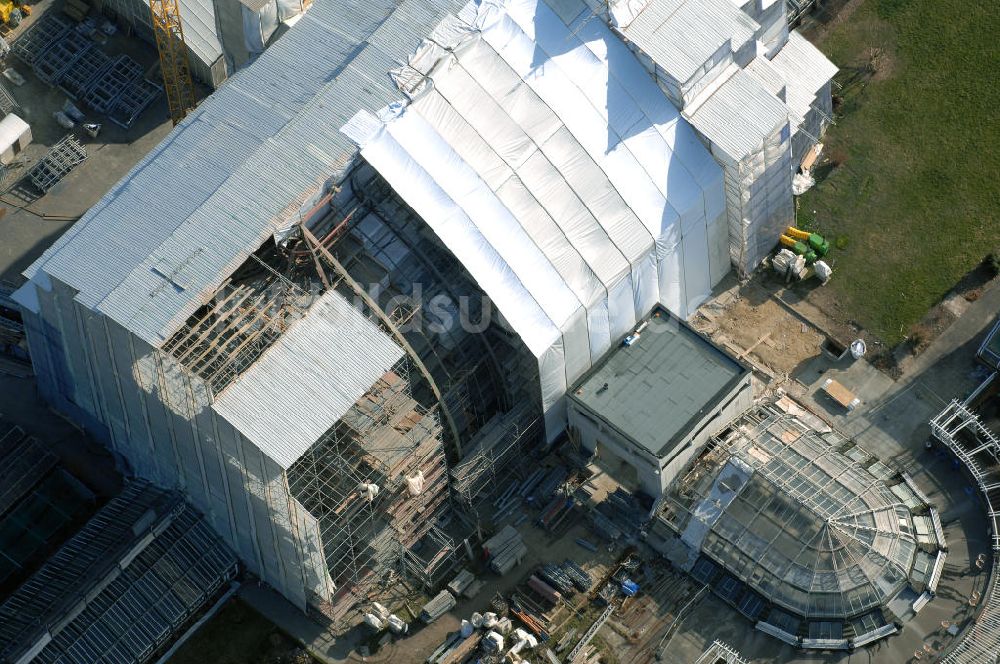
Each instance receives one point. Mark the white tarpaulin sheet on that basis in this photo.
(549, 163)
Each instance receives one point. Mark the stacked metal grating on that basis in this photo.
(60, 57)
(7, 102)
(37, 39)
(122, 587)
(132, 101)
(580, 578)
(76, 81)
(103, 94)
(64, 156)
(67, 58)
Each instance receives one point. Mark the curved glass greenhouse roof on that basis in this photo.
(805, 518)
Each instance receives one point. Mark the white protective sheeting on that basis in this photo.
(550, 164)
(308, 379)
(805, 70)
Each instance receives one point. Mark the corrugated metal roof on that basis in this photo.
(738, 115)
(805, 70)
(308, 379)
(250, 156)
(198, 21)
(772, 80)
(682, 35)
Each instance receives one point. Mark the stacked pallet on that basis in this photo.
(439, 605)
(505, 550)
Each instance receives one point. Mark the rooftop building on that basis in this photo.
(398, 235)
(657, 397)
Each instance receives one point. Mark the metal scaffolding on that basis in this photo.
(961, 430)
(377, 483)
(241, 320)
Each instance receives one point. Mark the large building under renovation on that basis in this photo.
(356, 282)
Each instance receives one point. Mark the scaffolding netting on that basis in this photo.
(549, 163)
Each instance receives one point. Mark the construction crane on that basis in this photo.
(174, 65)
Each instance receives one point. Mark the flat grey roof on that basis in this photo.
(660, 386)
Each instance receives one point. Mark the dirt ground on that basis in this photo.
(760, 322)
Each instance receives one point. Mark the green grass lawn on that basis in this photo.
(914, 204)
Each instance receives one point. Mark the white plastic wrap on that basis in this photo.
(415, 483)
(612, 124)
(567, 185)
(288, 9)
(423, 193)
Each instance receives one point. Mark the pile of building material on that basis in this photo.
(39, 37)
(619, 516)
(7, 102)
(549, 484)
(579, 577)
(534, 622)
(505, 550)
(457, 648)
(544, 589)
(56, 60)
(788, 265)
(106, 88)
(76, 82)
(465, 584)
(441, 604)
(556, 577)
(64, 156)
(68, 58)
(555, 512)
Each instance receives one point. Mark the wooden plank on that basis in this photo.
(753, 346)
(840, 394)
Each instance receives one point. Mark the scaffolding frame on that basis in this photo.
(242, 319)
(962, 432)
(385, 438)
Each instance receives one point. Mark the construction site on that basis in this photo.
(416, 327)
